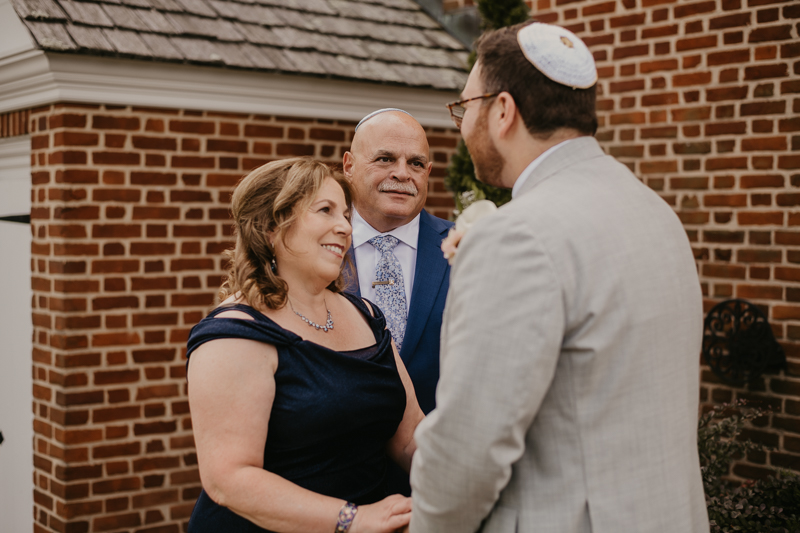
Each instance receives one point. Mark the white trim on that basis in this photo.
(37, 78)
(15, 176)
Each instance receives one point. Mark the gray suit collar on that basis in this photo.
(575, 151)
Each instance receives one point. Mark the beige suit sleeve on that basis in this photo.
(501, 340)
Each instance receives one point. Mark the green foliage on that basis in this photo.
(501, 13)
(460, 178)
(461, 181)
(769, 505)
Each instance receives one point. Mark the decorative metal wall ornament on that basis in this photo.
(738, 343)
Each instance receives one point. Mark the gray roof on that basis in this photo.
(386, 41)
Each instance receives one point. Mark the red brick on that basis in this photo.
(115, 158)
(258, 130)
(190, 196)
(788, 199)
(789, 162)
(116, 195)
(116, 450)
(119, 265)
(687, 10)
(725, 200)
(179, 265)
(156, 391)
(695, 78)
(786, 312)
(115, 339)
(764, 144)
(725, 163)
(727, 57)
(101, 122)
(189, 300)
(760, 218)
(723, 271)
(761, 181)
(192, 126)
(694, 43)
(758, 256)
(193, 162)
(762, 72)
(154, 428)
(156, 213)
(295, 149)
(763, 108)
(154, 143)
(789, 124)
(73, 138)
(115, 302)
(730, 21)
(631, 51)
(67, 120)
(153, 178)
(787, 273)
(80, 436)
(67, 157)
(218, 145)
(770, 33)
(759, 292)
(660, 99)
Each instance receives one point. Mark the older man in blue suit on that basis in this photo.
(389, 164)
(396, 243)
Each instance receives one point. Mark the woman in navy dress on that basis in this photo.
(298, 397)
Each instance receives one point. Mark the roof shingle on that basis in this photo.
(389, 41)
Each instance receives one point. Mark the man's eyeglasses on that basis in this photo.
(457, 109)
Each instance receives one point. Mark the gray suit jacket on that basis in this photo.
(568, 397)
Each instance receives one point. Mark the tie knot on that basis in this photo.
(384, 243)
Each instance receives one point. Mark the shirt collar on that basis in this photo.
(362, 231)
(532, 166)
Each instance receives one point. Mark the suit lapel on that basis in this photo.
(428, 275)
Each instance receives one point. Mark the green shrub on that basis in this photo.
(769, 505)
(460, 178)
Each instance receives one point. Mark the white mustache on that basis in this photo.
(406, 187)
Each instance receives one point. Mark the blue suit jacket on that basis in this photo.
(420, 351)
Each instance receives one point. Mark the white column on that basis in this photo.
(16, 418)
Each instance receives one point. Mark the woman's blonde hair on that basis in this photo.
(272, 198)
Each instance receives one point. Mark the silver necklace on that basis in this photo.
(328, 324)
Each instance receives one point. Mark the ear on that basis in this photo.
(347, 164)
(428, 168)
(507, 114)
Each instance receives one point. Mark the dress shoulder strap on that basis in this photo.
(260, 329)
(375, 318)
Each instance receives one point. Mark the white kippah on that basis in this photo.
(558, 54)
(378, 112)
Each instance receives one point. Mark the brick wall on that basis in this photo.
(129, 218)
(701, 101)
(14, 124)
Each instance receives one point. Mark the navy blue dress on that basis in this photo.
(331, 418)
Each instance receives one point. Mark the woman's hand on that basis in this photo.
(385, 516)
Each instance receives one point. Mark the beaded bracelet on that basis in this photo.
(346, 516)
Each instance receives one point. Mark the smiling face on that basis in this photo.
(315, 245)
(388, 165)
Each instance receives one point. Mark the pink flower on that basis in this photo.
(450, 243)
(466, 220)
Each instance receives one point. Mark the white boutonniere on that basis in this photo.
(471, 214)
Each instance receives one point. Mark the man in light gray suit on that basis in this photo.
(568, 396)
